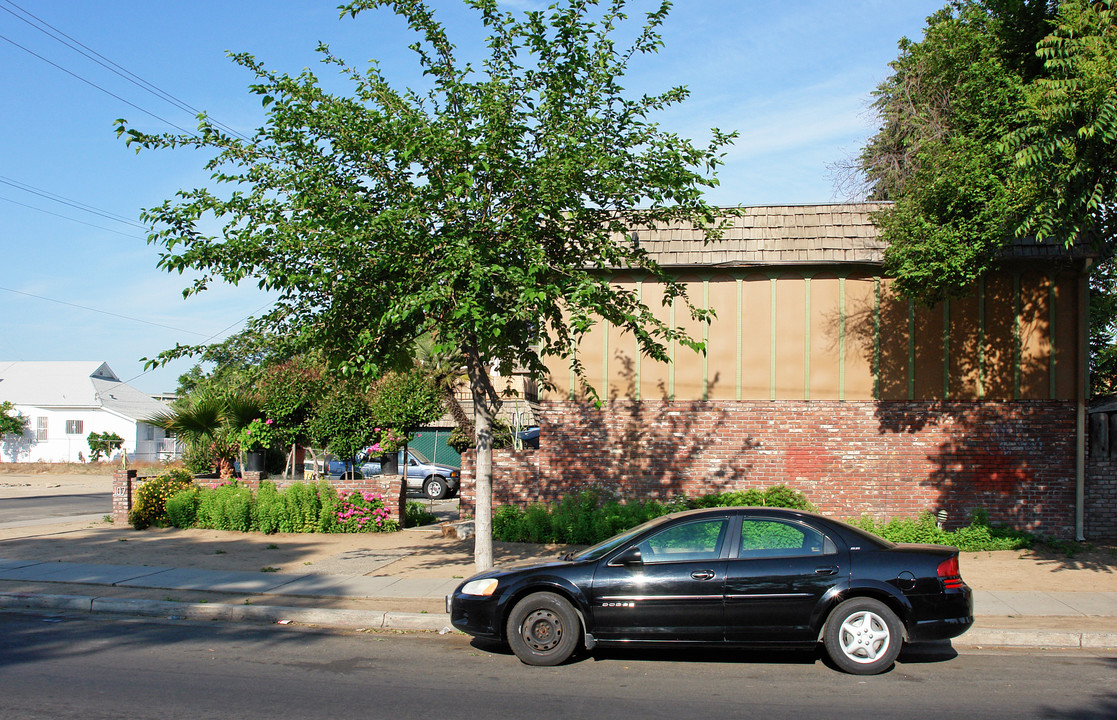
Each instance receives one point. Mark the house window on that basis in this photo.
(147, 432)
(41, 429)
(74, 427)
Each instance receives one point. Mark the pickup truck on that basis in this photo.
(435, 481)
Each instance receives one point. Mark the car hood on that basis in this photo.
(516, 568)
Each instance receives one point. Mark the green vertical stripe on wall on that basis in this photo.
(772, 351)
(639, 350)
(1017, 340)
(876, 338)
(911, 349)
(740, 330)
(946, 349)
(605, 361)
(841, 338)
(706, 342)
(671, 352)
(573, 379)
(807, 336)
(981, 338)
(1051, 385)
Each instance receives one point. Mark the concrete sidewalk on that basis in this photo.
(1033, 619)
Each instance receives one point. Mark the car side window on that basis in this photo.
(701, 540)
(772, 538)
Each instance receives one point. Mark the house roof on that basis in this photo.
(840, 233)
(74, 384)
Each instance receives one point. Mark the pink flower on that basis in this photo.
(267, 422)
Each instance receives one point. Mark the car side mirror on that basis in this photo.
(631, 556)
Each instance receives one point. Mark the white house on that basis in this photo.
(65, 401)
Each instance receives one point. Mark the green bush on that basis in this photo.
(182, 507)
(226, 507)
(415, 515)
(267, 513)
(978, 535)
(588, 517)
(152, 496)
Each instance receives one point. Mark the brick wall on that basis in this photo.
(1015, 460)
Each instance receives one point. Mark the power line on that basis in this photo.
(106, 312)
(72, 203)
(67, 217)
(95, 85)
(113, 67)
(219, 332)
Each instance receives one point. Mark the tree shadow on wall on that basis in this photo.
(646, 449)
(945, 387)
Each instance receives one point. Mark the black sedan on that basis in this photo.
(727, 576)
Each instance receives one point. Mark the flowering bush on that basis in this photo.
(257, 435)
(364, 511)
(150, 507)
(388, 440)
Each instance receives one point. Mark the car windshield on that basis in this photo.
(604, 547)
(423, 460)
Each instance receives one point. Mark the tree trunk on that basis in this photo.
(486, 402)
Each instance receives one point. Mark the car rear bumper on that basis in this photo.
(941, 616)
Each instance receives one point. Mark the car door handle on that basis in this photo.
(826, 570)
(702, 574)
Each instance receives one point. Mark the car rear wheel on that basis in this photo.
(543, 629)
(863, 637)
(435, 487)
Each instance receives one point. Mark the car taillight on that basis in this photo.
(949, 574)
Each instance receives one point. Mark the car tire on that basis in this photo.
(543, 629)
(435, 487)
(863, 636)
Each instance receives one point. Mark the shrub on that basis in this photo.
(364, 511)
(226, 507)
(415, 515)
(302, 506)
(978, 535)
(151, 499)
(182, 508)
(589, 517)
(267, 513)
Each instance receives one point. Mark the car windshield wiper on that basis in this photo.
(567, 556)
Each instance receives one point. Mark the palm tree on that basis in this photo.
(208, 421)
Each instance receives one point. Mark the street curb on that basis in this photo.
(1037, 639)
(440, 622)
(365, 619)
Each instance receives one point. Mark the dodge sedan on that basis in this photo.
(725, 576)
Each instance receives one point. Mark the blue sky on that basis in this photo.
(794, 79)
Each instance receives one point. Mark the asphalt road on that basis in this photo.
(38, 507)
(72, 666)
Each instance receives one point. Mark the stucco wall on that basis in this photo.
(63, 447)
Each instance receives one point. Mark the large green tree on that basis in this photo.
(484, 208)
(1000, 124)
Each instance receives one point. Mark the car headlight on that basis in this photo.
(486, 586)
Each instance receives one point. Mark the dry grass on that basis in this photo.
(93, 468)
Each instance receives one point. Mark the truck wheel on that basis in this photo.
(435, 487)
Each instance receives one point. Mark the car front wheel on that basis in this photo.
(863, 637)
(543, 629)
(435, 487)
